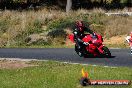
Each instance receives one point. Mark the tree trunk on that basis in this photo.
(129, 4)
(68, 5)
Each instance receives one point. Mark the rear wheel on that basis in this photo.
(106, 52)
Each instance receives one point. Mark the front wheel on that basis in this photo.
(81, 52)
(78, 51)
(106, 52)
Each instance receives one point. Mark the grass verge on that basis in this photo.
(59, 75)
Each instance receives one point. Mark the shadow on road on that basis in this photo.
(99, 57)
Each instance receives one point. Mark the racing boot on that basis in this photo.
(80, 54)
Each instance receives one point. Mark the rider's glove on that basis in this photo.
(79, 40)
(75, 33)
(86, 43)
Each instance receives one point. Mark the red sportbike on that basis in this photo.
(92, 47)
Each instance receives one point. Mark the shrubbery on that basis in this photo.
(57, 36)
(15, 28)
(60, 24)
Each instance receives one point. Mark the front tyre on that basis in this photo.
(106, 52)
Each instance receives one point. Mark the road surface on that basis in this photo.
(121, 57)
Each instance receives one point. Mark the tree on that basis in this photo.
(68, 5)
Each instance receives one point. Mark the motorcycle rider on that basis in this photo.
(129, 40)
(78, 32)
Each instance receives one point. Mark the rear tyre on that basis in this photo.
(106, 52)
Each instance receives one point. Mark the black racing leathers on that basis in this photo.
(78, 35)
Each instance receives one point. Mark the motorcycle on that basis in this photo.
(92, 47)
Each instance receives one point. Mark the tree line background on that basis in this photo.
(74, 4)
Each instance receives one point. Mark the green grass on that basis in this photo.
(59, 75)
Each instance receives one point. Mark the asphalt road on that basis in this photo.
(121, 57)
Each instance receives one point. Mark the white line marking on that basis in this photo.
(106, 66)
(94, 65)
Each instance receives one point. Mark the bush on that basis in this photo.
(21, 39)
(57, 33)
(60, 24)
(4, 25)
(30, 28)
(40, 42)
(16, 29)
(57, 36)
(35, 27)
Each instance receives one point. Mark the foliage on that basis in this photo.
(57, 36)
(60, 23)
(3, 26)
(57, 33)
(40, 42)
(35, 27)
(16, 27)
